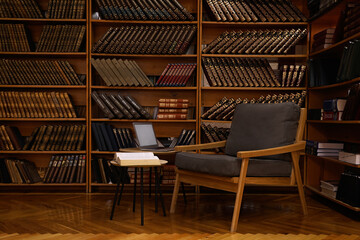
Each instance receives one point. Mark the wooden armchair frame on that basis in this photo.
(236, 184)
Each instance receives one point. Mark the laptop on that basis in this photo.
(146, 137)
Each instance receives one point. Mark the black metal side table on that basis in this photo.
(121, 179)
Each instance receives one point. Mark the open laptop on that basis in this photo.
(146, 138)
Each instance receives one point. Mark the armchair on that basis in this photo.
(263, 148)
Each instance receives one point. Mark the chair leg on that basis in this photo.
(295, 157)
(239, 194)
(175, 194)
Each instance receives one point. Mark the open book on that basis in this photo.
(137, 159)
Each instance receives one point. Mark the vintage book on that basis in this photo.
(138, 107)
(102, 105)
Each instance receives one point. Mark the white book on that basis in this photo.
(137, 159)
(352, 158)
(329, 184)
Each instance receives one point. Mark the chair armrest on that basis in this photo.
(184, 148)
(272, 151)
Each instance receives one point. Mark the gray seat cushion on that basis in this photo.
(224, 165)
(259, 126)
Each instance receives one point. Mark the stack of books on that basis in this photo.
(176, 75)
(20, 9)
(61, 38)
(292, 75)
(18, 171)
(108, 138)
(323, 39)
(173, 108)
(224, 109)
(122, 73)
(239, 72)
(250, 11)
(349, 157)
(36, 105)
(352, 19)
(323, 149)
(329, 188)
(66, 169)
(267, 41)
(333, 109)
(114, 105)
(146, 39)
(13, 38)
(154, 10)
(21, 72)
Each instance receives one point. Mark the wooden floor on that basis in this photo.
(205, 214)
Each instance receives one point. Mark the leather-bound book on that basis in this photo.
(286, 47)
(230, 108)
(224, 40)
(81, 140)
(101, 44)
(284, 75)
(232, 38)
(262, 11)
(120, 106)
(225, 10)
(259, 40)
(221, 109)
(301, 75)
(187, 41)
(213, 10)
(232, 10)
(295, 76)
(208, 73)
(138, 107)
(214, 108)
(128, 107)
(214, 42)
(111, 106)
(102, 105)
(49, 131)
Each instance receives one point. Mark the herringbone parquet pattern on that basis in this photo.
(81, 216)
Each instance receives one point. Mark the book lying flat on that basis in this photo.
(137, 159)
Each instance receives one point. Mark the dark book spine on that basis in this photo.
(102, 106)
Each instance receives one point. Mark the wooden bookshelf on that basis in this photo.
(77, 93)
(329, 168)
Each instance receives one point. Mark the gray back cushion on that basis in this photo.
(259, 126)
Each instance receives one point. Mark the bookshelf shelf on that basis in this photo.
(255, 88)
(336, 85)
(335, 46)
(147, 88)
(43, 185)
(215, 121)
(43, 152)
(43, 20)
(44, 119)
(52, 54)
(257, 55)
(114, 22)
(334, 122)
(255, 24)
(45, 86)
(334, 160)
(142, 55)
(333, 199)
(142, 120)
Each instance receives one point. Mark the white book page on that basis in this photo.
(136, 156)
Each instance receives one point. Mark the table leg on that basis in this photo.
(183, 190)
(115, 197)
(156, 189)
(150, 182)
(122, 177)
(134, 195)
(142, 195)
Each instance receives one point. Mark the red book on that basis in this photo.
(162, 75)
(176, 75)
(181, 75)
(173, 100)
(171, 74)
(187, 76)
(171, 116)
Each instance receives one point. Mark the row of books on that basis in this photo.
(215, 134)
(323, 39)
(113, 105)
(176, 75)
(154, 10)
(18, 171)
(224, 109)
(268, 41)
(239, 72)
(292, 75)
(323, 149)
(118, 72)
(146, 39)
(253, 11)
(13, 38)
(173, 109)
(37, 72)
(61, 38)
(333, 109)
(102, 171)
(36, 105)
(352, 19)
(66, 169)
(108, 138)
(20, 9)
(56, 138)
(62, 9)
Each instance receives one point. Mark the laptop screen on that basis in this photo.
(145, 134)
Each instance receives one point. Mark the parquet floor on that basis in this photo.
(81, 216)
